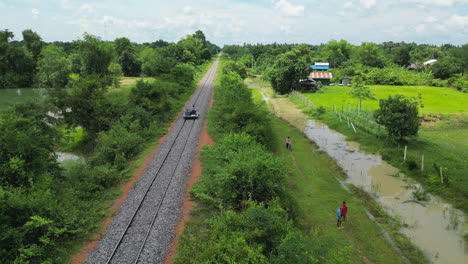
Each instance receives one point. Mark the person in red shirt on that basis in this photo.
(344, 211)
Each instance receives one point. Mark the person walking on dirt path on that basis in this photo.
(338, 217)
(344, 211)
(288, 143)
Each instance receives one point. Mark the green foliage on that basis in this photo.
(16, 64)
(235, 111)
(236, 67)
(95, 55)
(288, 69)
(121, 143)
(33, 42)
(239, 169)
(447, 67)
(45, 209)
(260, 234)
(183, 74)
(338, 52)
(53, 67)
(399, 115)
(26, 144)
(361, 92)
(154, 97)
(116, 72)
(369, 54)
(122, 45)
(393, 75)
(88, 106)
(130, 65)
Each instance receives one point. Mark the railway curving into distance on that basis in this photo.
(143, 229)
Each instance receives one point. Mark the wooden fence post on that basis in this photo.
(353, 127)
(404, 155)
(441, 176)
(422, 162)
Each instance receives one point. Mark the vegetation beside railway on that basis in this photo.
(259, 203)
(442, 135)
(47, 209)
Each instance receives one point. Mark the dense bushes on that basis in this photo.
(234, 111)
(259, 234)
(45, 208)
(238, 169)
(244, 187)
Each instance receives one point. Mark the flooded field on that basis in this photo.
(9, 97)
(434, 226)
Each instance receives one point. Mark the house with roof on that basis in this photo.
(323, 77)
(320, 73)
(320, 66)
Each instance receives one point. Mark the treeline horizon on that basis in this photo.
(32, 62)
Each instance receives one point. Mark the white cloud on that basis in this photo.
(368, 3)
(348, 4)
(35, 12)
(440, 27)
(2, 5)
(86, 6)
(289, 9)
(460, 21)
(421, 28)
(439, 2)
(187, 10)
(431, 19)
(65, 4)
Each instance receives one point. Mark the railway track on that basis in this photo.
(143, 229)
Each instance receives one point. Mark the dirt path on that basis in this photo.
(187, 205)
(284, 109)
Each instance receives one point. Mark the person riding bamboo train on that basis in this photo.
(193, 112)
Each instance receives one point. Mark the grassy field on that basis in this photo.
(435, 99)
(314, 183)
(443, 143)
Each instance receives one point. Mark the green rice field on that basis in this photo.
(434, 99)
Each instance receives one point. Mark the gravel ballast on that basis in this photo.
(169, 168)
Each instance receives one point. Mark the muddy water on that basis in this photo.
(434, 226)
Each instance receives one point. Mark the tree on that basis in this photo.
(53, 67)
(95, 55)
(130, 65)
(116, 73)
(122, 45)
(447, 67)
(26, 144)
(288, 69)
(33, 42)
(370, 54)
(16, 64)
(362, 93)
(399, 115)
(236, 67)
(338, 52)
(6, 35)
(88, 106)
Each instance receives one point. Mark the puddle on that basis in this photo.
(63, 156)
(434, 226)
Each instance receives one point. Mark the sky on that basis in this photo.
(242, 21)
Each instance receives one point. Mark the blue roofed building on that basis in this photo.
(320, 66)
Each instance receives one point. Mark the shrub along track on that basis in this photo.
(144, 227)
